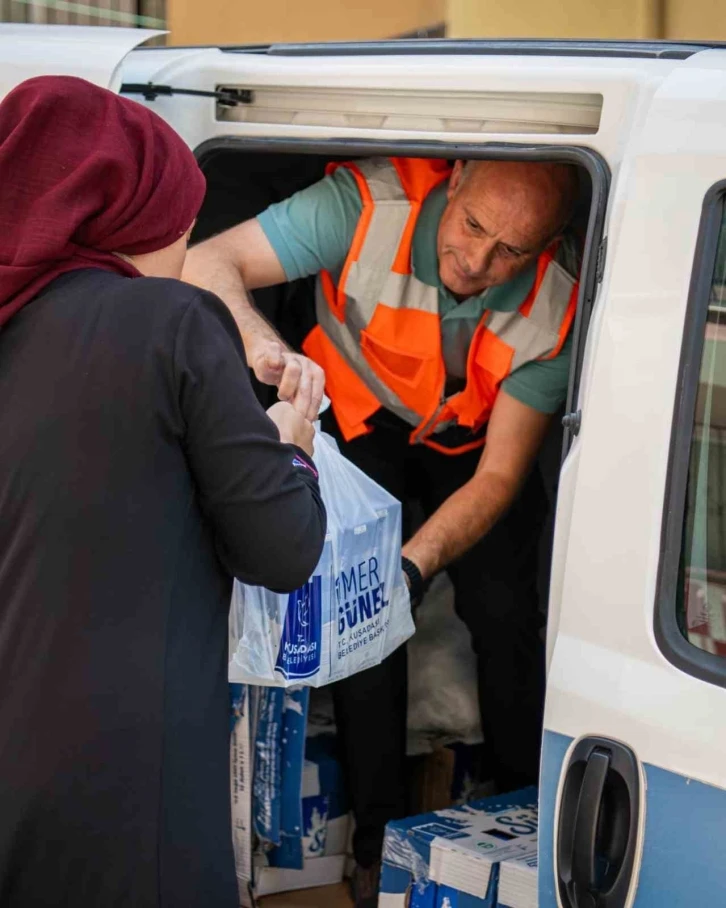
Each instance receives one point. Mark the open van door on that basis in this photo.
(94, 53)
(633, 787)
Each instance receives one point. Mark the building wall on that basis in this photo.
(245, 21)
(691, 19)
(126, 13)
(677, 19)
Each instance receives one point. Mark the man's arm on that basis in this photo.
(514, 436)
(249, 485)
(230, 264)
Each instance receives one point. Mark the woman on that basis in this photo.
(138, 475)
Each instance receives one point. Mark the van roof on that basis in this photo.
(677, 50)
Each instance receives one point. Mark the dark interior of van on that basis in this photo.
(241, 184)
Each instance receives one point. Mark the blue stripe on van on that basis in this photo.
(685, 835)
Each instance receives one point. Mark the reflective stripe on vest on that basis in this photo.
(379, 337)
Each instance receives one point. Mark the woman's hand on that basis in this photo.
(294, 429)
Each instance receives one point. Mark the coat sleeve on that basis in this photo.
(260, 496)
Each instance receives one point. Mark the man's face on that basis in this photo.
(491, 229)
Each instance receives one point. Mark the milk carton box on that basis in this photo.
(454, 855)
(290, 818)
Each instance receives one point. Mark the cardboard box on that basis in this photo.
(518, 882)
(316, 872)
(450, 858)
(241, 787)
(453, 898)
(290, 819)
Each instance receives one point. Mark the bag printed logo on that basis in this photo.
(362, 606)
(299, 653)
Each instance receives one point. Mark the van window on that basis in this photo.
(701, 595)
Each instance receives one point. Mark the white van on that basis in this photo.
(633, 786)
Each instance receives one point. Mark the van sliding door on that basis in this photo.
(633, 788)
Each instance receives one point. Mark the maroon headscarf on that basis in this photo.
(85, 173)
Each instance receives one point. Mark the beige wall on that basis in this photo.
(264, 21)
(688, 19)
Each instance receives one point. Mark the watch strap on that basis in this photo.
(415, 579)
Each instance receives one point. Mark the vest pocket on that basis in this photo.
(390, 363)
(413, 379)
(402, 347)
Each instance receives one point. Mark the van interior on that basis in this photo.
(242, 183)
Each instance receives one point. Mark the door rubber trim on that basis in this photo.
(674, 646)
(646, 49)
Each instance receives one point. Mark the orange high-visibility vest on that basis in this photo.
(378, 334)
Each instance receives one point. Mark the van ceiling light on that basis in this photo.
(425, 111)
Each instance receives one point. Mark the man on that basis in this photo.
(444, 298)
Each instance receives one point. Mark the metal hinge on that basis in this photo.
(572, 421)
(601, 255)
(229, 97)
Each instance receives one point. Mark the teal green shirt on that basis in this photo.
(313, 230)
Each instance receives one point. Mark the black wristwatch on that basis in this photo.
(416, 583)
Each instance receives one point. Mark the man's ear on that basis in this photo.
(455, 179)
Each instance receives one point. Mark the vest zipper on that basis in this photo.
(431, 421)
(423, 429)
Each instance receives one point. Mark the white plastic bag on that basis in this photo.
(353, 612)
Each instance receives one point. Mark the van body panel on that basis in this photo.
(90, 52)
(682, 863)
(609, 563)
(607, 675)
(410, 86)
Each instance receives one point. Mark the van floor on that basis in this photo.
(325, 897)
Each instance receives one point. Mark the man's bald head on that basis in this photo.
(548, 190)
(500, 216)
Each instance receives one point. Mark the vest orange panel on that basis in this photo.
(350, 398)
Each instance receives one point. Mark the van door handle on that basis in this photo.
(589, 805)
(598, 825)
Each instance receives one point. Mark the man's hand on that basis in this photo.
(232, 263)
(298, 379)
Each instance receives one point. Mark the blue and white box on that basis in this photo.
(240, 759)
(451, 858)
(290, 818)
(326, 816)
(454, 898)
(518, 882)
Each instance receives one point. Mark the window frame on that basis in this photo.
(672, 643)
